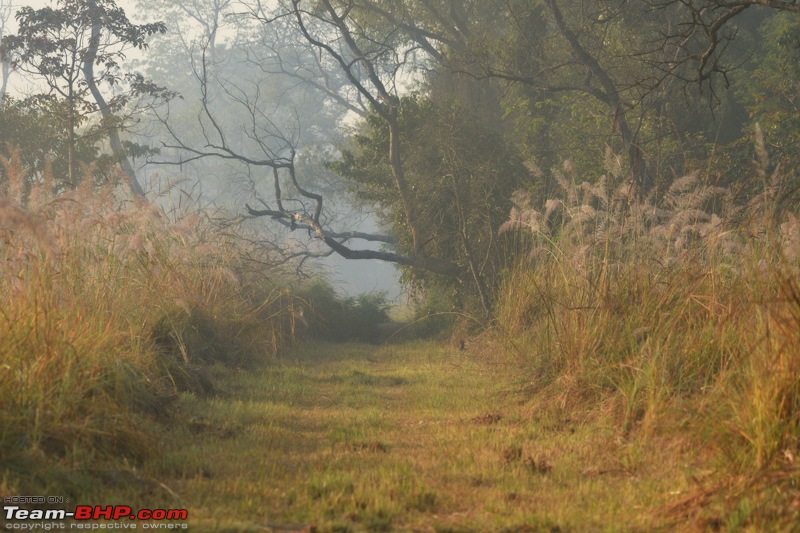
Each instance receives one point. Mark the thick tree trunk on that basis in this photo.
(105, 111)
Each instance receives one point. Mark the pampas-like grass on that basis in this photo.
(109, 306)
(641, 304)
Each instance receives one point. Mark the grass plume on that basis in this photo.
(110, 306)
(670, 310)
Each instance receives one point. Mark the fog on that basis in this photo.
(595, 208)
(398, 133)
(291, 109)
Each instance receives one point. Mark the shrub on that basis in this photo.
(344, 319)
(435, 313)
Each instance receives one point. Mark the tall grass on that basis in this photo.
(108, 305)
(684, 304)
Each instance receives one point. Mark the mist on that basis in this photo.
(400, 265)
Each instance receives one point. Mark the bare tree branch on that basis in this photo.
(304, 210)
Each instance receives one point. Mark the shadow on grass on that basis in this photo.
(365, 379)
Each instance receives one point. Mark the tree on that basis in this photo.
(703, 30)
(441, 165)
(443, 179)
(539, 44)
(6, 10)
(75, 48)
(40, 141)
(462, 173)
(369, 73)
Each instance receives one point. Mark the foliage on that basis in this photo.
(435, 312)
(75, 48)
(461, 174)
(773, 91)
(355, 318)
(674, 303)
(39, 140)
(30, 134)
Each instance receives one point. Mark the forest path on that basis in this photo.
(415, 437)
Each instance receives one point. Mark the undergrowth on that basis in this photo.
(110, 306)
(677, 310)
(332, 317)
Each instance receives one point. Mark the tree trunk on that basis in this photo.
(113, 134)
(398, 174)
(71, 138)
(610, 97)
(6, 71)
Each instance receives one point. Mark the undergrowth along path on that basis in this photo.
(416, 437)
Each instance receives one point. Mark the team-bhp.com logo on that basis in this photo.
(93, 517)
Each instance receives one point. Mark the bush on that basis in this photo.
(344, 319)
(435, 313)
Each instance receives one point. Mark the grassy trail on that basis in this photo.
(418, 437)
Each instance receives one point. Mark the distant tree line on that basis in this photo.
(444, 108)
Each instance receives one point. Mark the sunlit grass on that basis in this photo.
(109, 307)
(676, 317)
(410, 437)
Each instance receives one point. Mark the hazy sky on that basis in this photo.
(352, 277)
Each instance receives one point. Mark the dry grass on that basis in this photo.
(681, 308)
(110, 304)
(660, 340)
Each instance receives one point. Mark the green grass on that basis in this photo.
(410, 437)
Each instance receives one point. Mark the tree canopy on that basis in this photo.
(75, 48)
(432, 112)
